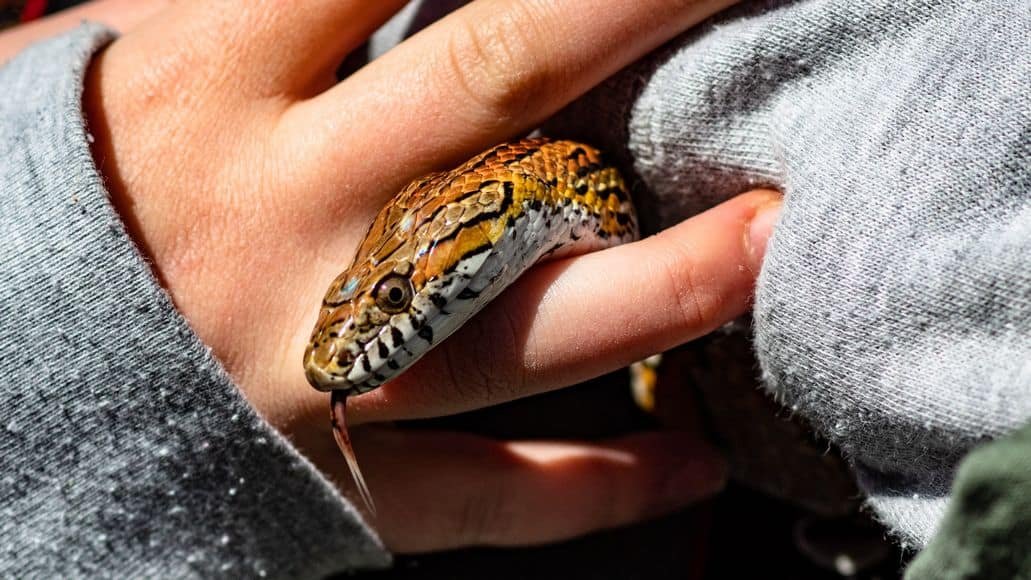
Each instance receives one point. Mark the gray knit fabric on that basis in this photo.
(125, 450)
(894, 307)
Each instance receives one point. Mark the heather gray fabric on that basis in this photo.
(894, 307)
(125, 450)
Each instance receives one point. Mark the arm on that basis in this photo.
(126, 447)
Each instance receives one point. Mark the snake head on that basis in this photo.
(376, 320)
(449, 243)
(376, 323)
(358, 334)
(328, 359)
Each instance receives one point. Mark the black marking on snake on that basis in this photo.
(408, 352)
(491, 154)
(576, 153)
(494, 154)
(426, 333)
(396, 337)
(392, 364)
(377, 260)
(384, 352)
(582, 189)
(619, 192)
(439, 301)
(467, 294)
(379, 377)
(429, 219)
(366, 364)
(622, 218)
(389, 256)
(536, 205)
(482, 217)
(528, 153)
(485, 247)
(416, 323)
(467, 194)
(585, 170)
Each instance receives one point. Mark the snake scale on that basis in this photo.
(448, 244)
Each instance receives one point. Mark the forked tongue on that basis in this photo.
(338, 418)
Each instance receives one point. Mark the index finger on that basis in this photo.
(571, 320)
(483, 74)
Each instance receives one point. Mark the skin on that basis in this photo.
(248, 176)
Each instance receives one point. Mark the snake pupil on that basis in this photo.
(394, 293)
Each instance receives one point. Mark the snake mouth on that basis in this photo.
(327, 364)
(320, 379)
(329, 381)
(355, 368)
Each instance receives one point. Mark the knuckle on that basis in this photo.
(495, 66)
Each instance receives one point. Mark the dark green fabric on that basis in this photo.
(986, 532)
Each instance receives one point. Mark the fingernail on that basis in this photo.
(760, 229)
(702, 475)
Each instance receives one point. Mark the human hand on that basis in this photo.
(249, 176)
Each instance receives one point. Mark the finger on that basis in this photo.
(122, 15)
(485, 73)
(470, 490)
(570, 320)
(301, 44)
(266, 48)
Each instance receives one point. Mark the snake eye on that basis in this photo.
(393, 294)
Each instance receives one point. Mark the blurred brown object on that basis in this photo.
(714, 381)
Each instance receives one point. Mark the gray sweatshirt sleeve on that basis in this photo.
(125, 449)
(894, 306)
